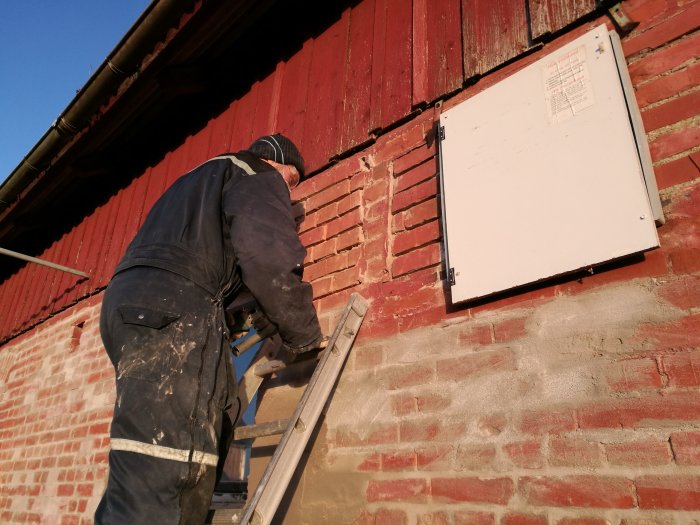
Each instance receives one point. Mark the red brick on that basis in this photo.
(378, 190)
(648, 521)
(684, 333)
(344, 223)
(472, 517)
(476, 334)
(432, 402)
(322, 287)
(420, 236)
(85, 490)
(573, 452)
(392, 146)
(684, 261)
(671, 28)
(632, 375)
(403, 404)
(513, 518)
(654, 264)
(665, 59)
(525, 454)
(668, 85)
(475, 456)
(434, 518)
(416, 175)
(327, 213)
(682, 369)
(345, 279)
(638, 453)
(404, 376)
(350, 239)
(483, 362)
(416, 260)
(434, 457)
(371, 463)
(674, 110)
(414, 195)
(413, 158)
(324, 267)
(683, 293)
(473, 489)
(578, 491)
(413, 490)
(368, 357)
(65, 490)
(583, 521)
(491, 424)
(686, 447)
(416, 215)
(326, 196)
(676, 172)
(382, 517)
(101, 428)
(509, 330)
(669, 492)
(640, 411)
(674, 142)
(547, 421)
(402, 460)
(430, 430)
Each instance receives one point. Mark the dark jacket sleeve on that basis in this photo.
(270, 255)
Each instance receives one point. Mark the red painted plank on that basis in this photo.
(66, 286)
(132, 220)
(493, 32)
(17, 285)
(390, 96)
(242, 133)
(199, 147)
(358, 78)
(156, 186)
(291, 115)
(28, 279)
(266, 104)
(220, 135)
(104, 227)
(54, 277)
(177, 164)
(83, 261)
(325, 95)
(548, 16)
(116, 217)
(437, 41)
(8, 289)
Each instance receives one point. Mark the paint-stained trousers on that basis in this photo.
(165, 338)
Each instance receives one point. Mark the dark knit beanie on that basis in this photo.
(278, 148)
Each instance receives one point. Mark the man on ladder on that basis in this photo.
(224, 225)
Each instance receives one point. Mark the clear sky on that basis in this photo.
(48, 51)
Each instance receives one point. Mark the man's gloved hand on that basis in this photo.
(319, 344)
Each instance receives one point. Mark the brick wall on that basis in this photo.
(56, 399)
(574, 403)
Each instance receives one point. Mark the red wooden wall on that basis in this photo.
(381, 60)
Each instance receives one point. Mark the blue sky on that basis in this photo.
(48, 51)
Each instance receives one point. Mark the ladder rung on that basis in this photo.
(272, 428)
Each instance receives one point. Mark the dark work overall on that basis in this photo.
(165, 337)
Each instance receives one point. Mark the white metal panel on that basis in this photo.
(540, 174)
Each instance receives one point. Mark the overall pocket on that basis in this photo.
(146, 349)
